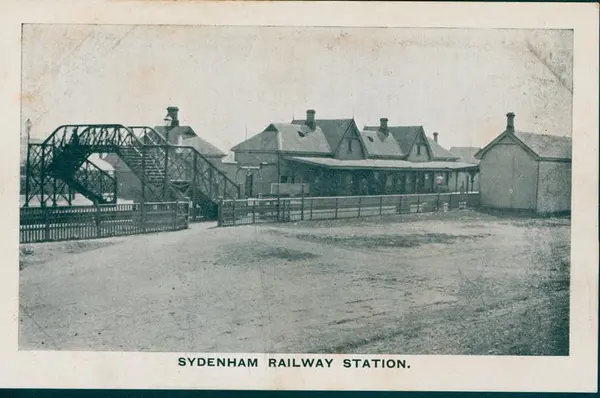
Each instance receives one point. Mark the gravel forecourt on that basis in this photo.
(460, 283)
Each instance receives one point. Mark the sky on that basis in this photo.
(232, 82)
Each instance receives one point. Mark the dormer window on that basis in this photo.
(370, 139)
(301, 134)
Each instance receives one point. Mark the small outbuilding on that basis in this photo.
(526, 171)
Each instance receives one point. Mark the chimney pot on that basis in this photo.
(435, 137)
(510, 121)
(383, 125)
(172, 112)
(310, 118)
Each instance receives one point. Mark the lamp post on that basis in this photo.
(168, 122)
(26, 168)
(28, 125)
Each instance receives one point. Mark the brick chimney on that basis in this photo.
(510, 122)
(383, 125)
(435, 136)
(310, 119)
(172, 112)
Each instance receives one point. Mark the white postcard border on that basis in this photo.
(578, 372)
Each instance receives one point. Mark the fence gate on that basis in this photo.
(182, 215)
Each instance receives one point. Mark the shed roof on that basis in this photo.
(465, 153)
(390, 164)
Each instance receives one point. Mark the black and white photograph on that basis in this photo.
(371, 192)
(372, 201)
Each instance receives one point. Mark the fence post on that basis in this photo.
(46, 224)
(115, 189)
(311, 208)
(253, 211)
(336, 208)
(143, 216)
(233, 211)
(187, 206)
(174, 214)
(278, 204)
(220, 213)
(302, 204)
(359, 205)
(97, 220)
(418, 203)
(380, 205)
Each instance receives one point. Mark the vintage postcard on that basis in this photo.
(300, 196)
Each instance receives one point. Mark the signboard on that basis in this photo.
(291, 189)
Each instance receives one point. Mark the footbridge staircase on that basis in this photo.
(167, 172)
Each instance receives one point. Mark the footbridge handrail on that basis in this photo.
(71, 133)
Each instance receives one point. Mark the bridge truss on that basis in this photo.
(60, 165)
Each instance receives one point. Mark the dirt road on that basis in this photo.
(457, 283)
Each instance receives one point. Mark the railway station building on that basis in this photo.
(334, 157)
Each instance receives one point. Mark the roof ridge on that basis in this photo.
(399, 125)
(326, 120)
(544, 135)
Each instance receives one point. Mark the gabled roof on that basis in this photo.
(405, 136)
(334, 129)
(184, 131)
(287, 137)
(465, 153)
(267, 140)
(190, 138)
(547, 146)
(205, 148)
(541, 146)
(438, 152)
(379, 145)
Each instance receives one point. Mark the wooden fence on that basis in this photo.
(43, 224)
(250, 211)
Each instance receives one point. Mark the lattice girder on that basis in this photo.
(167, 171)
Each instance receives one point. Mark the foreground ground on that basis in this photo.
(454, 283)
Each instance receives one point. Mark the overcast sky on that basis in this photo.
(227, 80)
